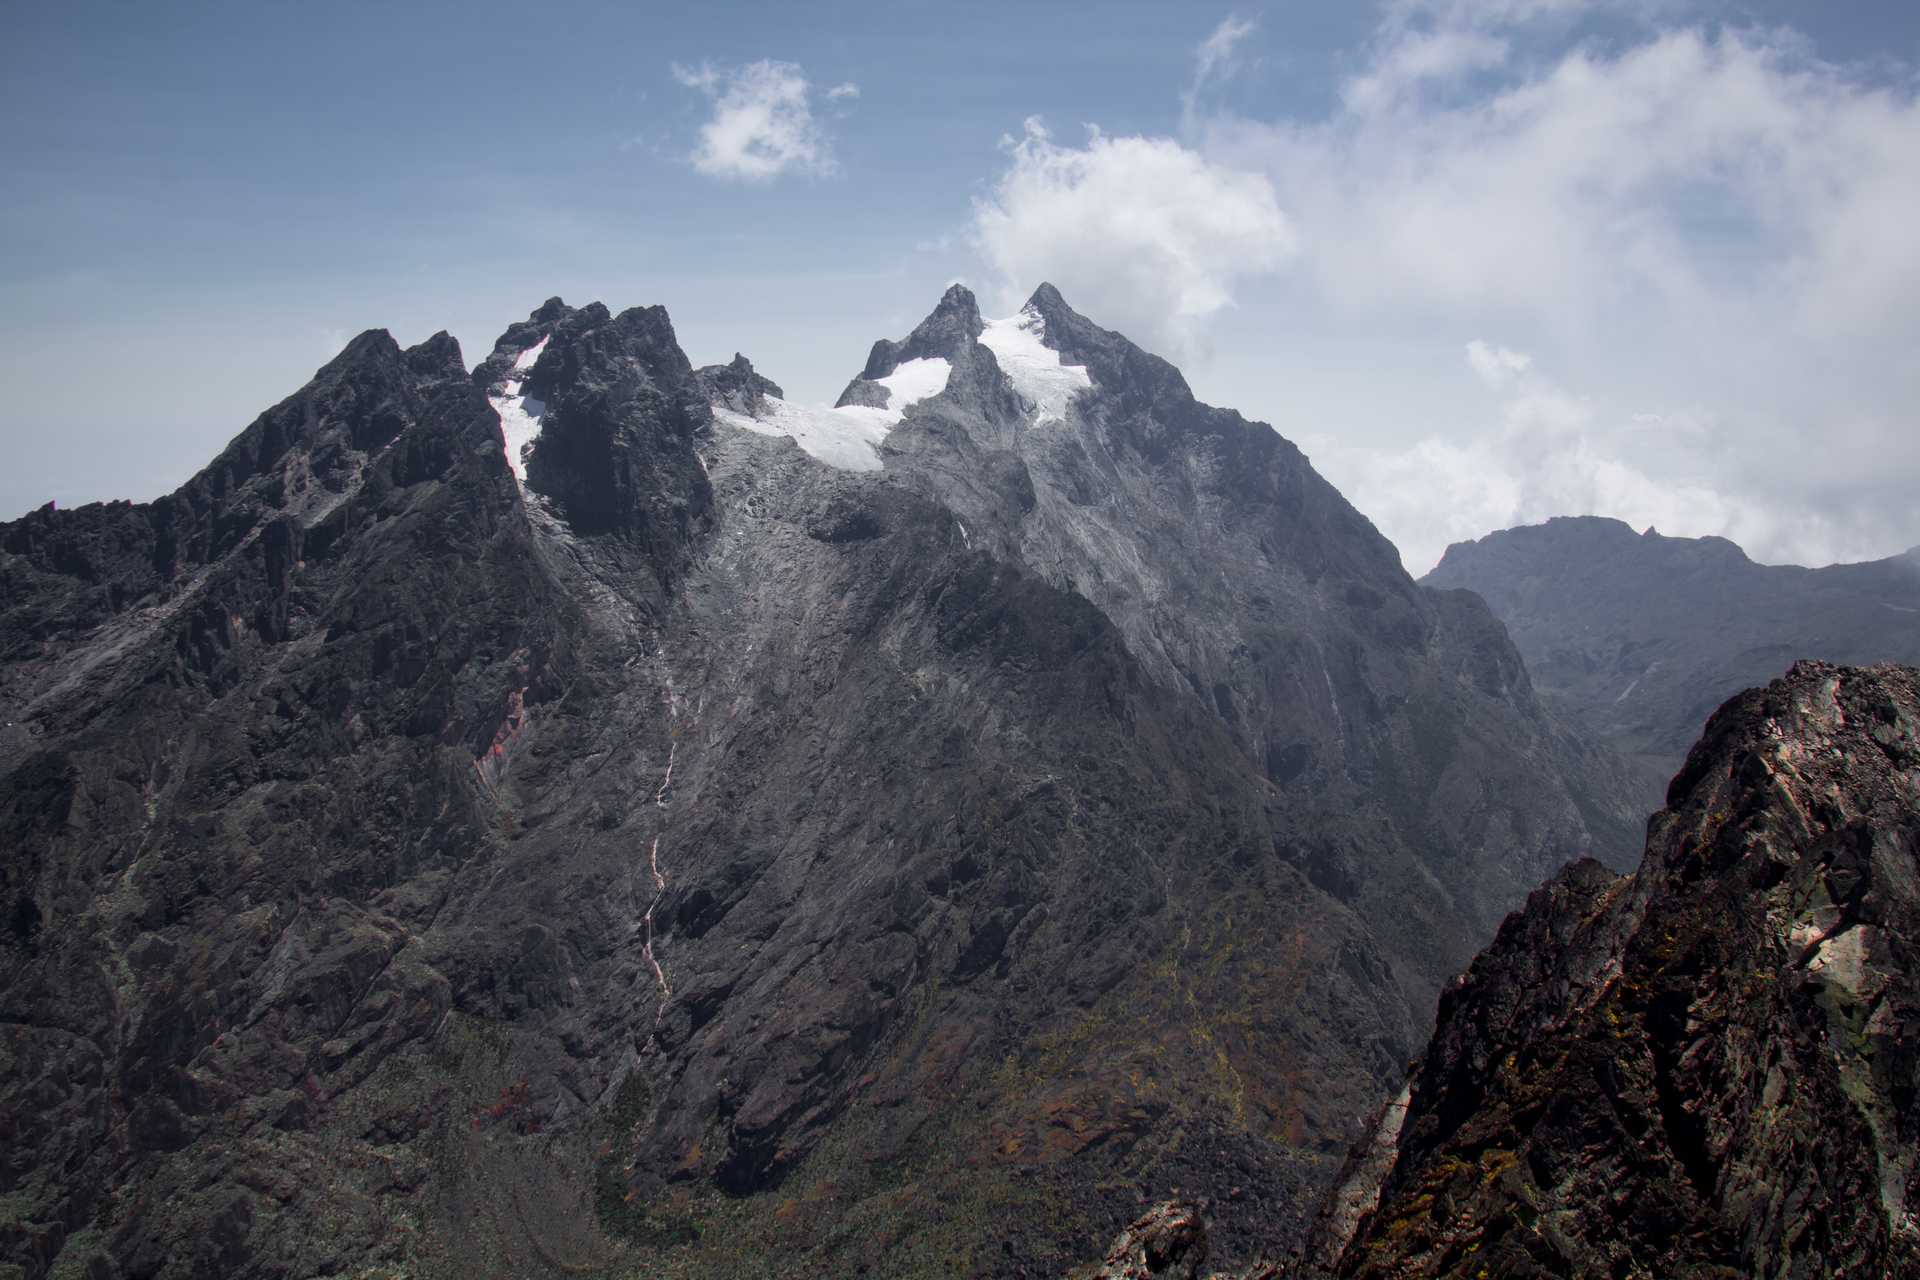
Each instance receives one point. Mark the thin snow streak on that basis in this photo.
(646, 948)
(659, 892)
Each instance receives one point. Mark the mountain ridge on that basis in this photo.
(1638, 637)
(572, 864)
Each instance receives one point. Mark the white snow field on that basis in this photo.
(848, 438)
(1033, 367)
(520, 414)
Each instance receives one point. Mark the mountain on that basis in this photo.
(1705, 1068)
(1638, 637)
(593, 814)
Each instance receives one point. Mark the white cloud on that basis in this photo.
(1496, 366)
(762, 124)
(1142, 233)
(1604, 176)
(1678, 216)
(1218, 47)
(1213, 60)
(847, 89)
(1416, 60)
(1545, 452)
(1399, 16)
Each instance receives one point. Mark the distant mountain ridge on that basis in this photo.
(1640, 636)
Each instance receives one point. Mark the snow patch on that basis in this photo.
(520, 414)
(526, 358)
(913, 381)
(1032, 366)
(848, 438)
(845, 438)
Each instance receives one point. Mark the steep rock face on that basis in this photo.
(240, 785)
(619, 406)
(1638, 637)
(1706, 1068)
(1403, 717)
(521, 822)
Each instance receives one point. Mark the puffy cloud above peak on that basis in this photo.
(1665, 213)
(762, 125)
(1144, 234)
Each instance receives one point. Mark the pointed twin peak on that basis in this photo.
(1004, 371)
(955, 324)
(375, 349)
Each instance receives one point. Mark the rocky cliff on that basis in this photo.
(1637, 637)
(1706, 1068)
(594, 816)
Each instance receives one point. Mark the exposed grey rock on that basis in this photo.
(1168, 1242)
(736, 386)
(405, 870)
(1236, 573)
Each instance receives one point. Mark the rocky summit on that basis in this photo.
(594, 816)
(1706, 1068)
(1637, 637)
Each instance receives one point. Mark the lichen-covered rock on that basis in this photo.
(1707, 1068)
(1168, 1242)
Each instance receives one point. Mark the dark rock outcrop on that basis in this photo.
(701, 854)
(1636, 637)
(1706, 1068)
(737, 386)
(622, 408)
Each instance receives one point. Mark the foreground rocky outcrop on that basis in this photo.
(1167, 1242)
(1706, 1068)
(1637, 637)
(548, 821)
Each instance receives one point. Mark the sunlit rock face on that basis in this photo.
(1706, 1067)
(591, 812)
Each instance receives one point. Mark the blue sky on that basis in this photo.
(1487, 260)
